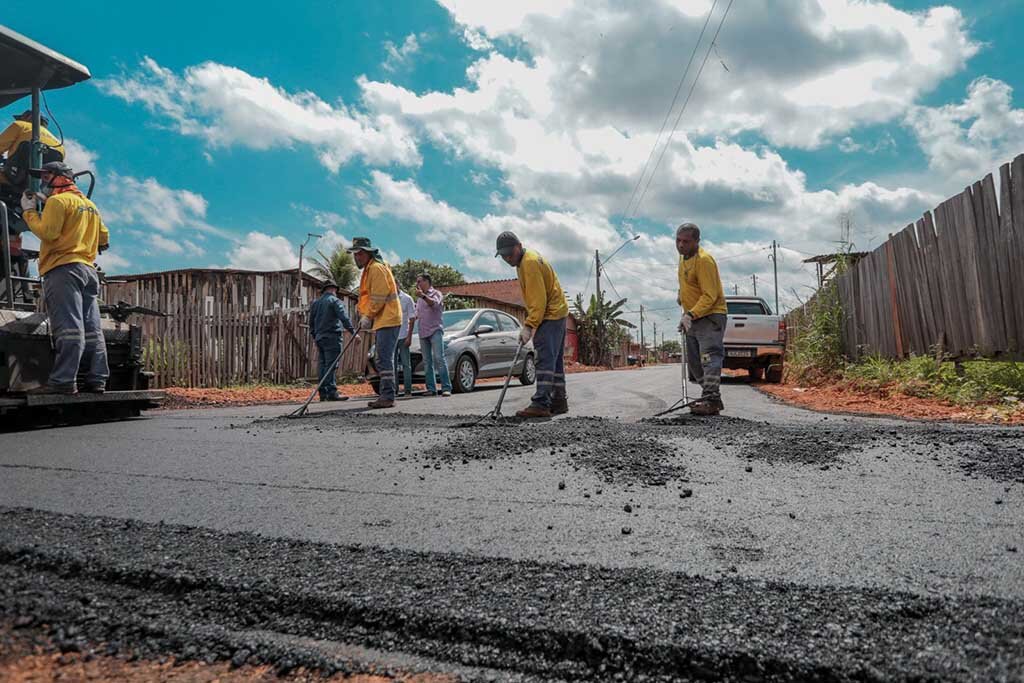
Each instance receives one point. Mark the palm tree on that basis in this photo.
(339, 266)
(598, 325)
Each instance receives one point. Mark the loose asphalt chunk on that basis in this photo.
(195, 594)
(648, 452)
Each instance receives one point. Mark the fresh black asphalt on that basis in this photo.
(771, 542)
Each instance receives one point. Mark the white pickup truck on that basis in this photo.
(755, 339)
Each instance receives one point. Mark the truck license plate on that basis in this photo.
(740, 353)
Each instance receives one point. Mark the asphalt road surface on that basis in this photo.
(831, 515)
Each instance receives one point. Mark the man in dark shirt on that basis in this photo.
(327, 317)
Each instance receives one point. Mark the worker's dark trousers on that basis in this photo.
(705, 353)
(329, 347)
(385, 339)
(549, 342)
(71, 292)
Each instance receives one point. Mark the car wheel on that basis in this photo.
(774, 374)
(756, 374)
(465, 375)
(529, 373)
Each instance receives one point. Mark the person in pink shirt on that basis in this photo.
(429, 312)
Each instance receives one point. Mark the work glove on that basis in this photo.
(408, 340)
(525, 335)
(365, 323)
(28, 202)
(685, 322)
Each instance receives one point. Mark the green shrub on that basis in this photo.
(932, 377)
(815, 348)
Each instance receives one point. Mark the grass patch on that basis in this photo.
(980, 382)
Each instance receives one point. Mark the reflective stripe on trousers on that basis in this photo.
(705, 353)
(386, 339)
(549, 343)
(71, 292)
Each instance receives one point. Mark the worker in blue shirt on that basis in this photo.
(327, 317)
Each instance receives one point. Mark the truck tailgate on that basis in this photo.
(752, 330)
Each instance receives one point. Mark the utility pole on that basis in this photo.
(754, 278)
(600, 299)
(775, 268)
(655, 339)
(735, 289)
(642, 330)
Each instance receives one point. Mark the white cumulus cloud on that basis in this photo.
(400, 56)
(798, 72)
(227, 106)
(151, 204)
(260, 251)
(966, 140)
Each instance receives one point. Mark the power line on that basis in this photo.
(689, 94)
(654, 310)
(608, 277)
(590, 273)
(668, 114)
(630, 273)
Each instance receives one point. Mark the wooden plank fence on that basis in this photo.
(229, 349)
(951, 282)
(228, 327)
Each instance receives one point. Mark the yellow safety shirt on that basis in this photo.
(541, 291)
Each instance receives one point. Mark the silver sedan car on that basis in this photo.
(478, 343)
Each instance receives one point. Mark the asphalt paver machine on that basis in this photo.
(26, 349)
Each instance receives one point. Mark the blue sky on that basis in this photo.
(223, 133)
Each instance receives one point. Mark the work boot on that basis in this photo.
(559, 405)
(381, 403)
(334, 397)
(707, 406)
(66, 390)
(94, 388)
(533, 411)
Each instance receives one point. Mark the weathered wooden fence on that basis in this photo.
(238, 348)
(954, 281)
(228, 327)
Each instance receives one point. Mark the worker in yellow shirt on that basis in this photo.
(380, 311)
(546, 313)
(704, 317)
(71, 234)
(21, 131)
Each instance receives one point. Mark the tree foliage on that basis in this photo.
(339, 266)
(600, 326)
(441, 275)
(670, 346)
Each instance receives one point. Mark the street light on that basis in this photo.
(634, 238)
(302, 248)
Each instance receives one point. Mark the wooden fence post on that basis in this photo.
(897, 328)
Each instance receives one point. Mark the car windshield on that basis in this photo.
(457, 320)
(747, 308)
